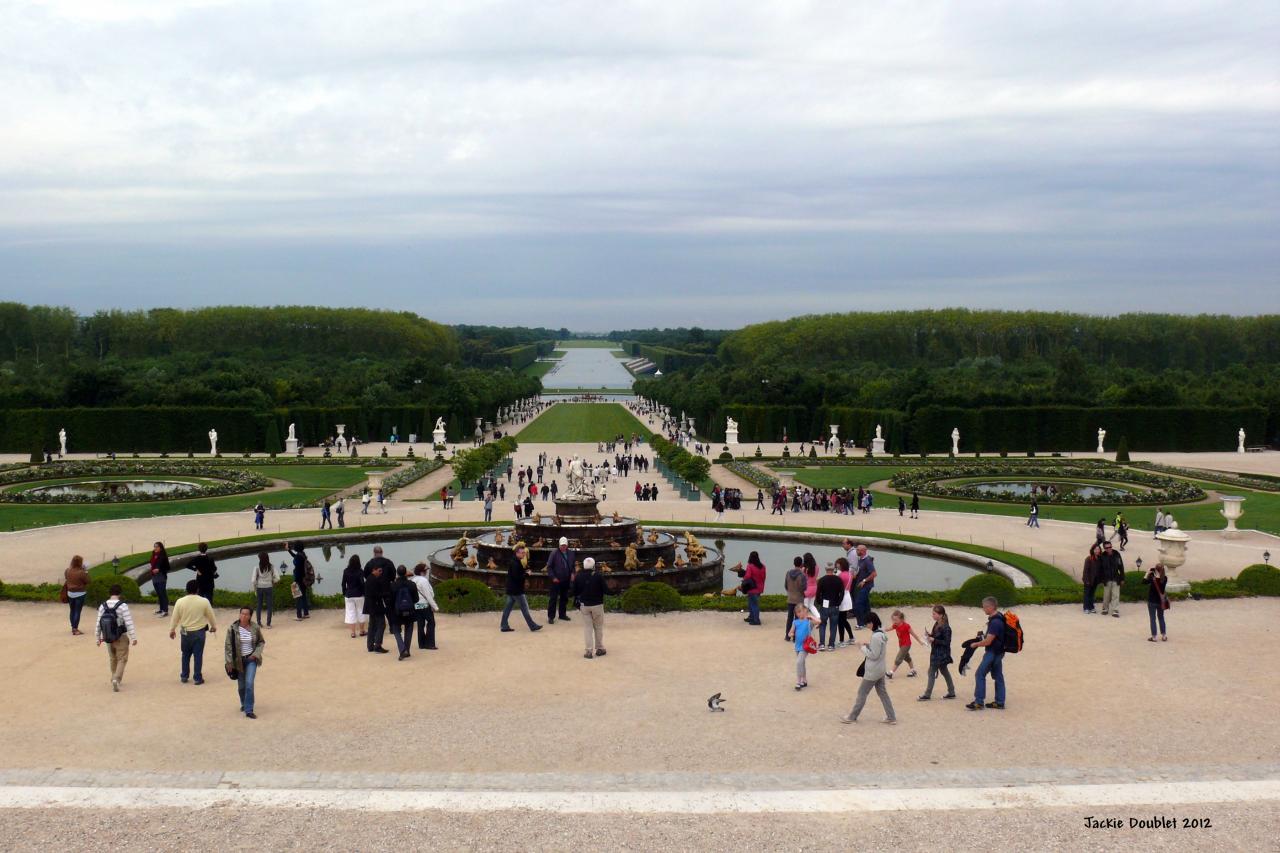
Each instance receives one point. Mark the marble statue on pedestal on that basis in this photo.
(213, 442)
(62, 442)
(291, 443)
(955, 441)
(1240, 436)
(1102, 435)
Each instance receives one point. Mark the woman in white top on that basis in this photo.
(426, 608)
(263, 583)
(873, 673)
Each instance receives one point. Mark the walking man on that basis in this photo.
(242, 655)
(325, 517)
(517, 571)
(992, 658)
(339, 509)
(559, 575)
(115, 628)
(589, 588)
(193, 616)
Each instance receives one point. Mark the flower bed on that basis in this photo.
(230, 481)
(412, 474)
(1242, 480)
(752, 474)
(1159, 489)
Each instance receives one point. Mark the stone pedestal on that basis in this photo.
(731, 437)
(437, 436)
(877, 447)
(291, 446)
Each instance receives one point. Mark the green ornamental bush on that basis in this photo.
(464, 595)
(99, 589)
(1133, 589)
(1260, 579)
(1122, 451)
(978, 587)
(651, 597)
(282, 593)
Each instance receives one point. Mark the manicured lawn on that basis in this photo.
(1262, 509)
(586, 344)
(565, 422)
(317, 476)
(21, 517)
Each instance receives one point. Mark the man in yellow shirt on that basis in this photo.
(192, 615)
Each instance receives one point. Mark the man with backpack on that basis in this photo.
(404, 613)
(115, 628)
(995, 642)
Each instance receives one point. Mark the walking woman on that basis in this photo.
(264, 586)
(76, 579)
(353, 595)
(939, 637)
(160, 577)
(1091, 576)
(873, 669)
(1157, 602)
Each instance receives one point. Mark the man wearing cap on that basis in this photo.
(559, 575)
(589, 588)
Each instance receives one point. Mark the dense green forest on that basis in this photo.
(253, 359)
(905, 362)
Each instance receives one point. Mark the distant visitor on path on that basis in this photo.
(75, 586)
(206, 571)
(1157, 602)
(160, 577)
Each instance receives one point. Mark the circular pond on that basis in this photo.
(896, 570)
(1046, 491)
(115, 488)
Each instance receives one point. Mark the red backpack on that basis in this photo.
(1012, 633)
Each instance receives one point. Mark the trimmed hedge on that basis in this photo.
(1260, 579)
(978, 587)
(1133, 589)
(100, 589)
(464, 595)
(651, 597)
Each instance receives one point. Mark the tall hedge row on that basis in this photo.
(990, 430)
(173, 429)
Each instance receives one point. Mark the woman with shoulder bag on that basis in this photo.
(75, 586)
(1157, 602)
(873, 672)
(846, 603)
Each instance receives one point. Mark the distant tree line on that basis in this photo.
(1210, 369)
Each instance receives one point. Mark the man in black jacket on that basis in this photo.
(377, 595)
(516, 573)
(377, 560)
(590, 588)
(559, 574)
(202, 564)
(830, 595)
(1111, 569)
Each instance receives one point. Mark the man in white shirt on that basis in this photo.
(117, 632)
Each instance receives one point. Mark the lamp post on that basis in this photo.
(115, 565)
(1266, 557)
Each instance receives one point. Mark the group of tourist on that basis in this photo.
(566, 579)
(1104, 567)
(818, 611)
(843, 501)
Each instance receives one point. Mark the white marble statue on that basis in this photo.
(1240, 446)
(878, 433)
(955, 441)
(62, 442)
(293, 436)
(1102, 436)
(579, 483)
(730, 425)
(213, 442)
(439, 425)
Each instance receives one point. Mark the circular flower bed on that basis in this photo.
(224, 481)
(1154, 488)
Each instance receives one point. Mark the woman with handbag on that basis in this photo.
(1091, 576)
(75, 586)
(872, 672)
(1157, 602)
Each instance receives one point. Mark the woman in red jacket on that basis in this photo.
(753, 584)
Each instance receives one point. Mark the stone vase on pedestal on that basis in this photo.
(1172, 545)
(1231, 511)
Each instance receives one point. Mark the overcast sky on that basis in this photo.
(618, 164)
